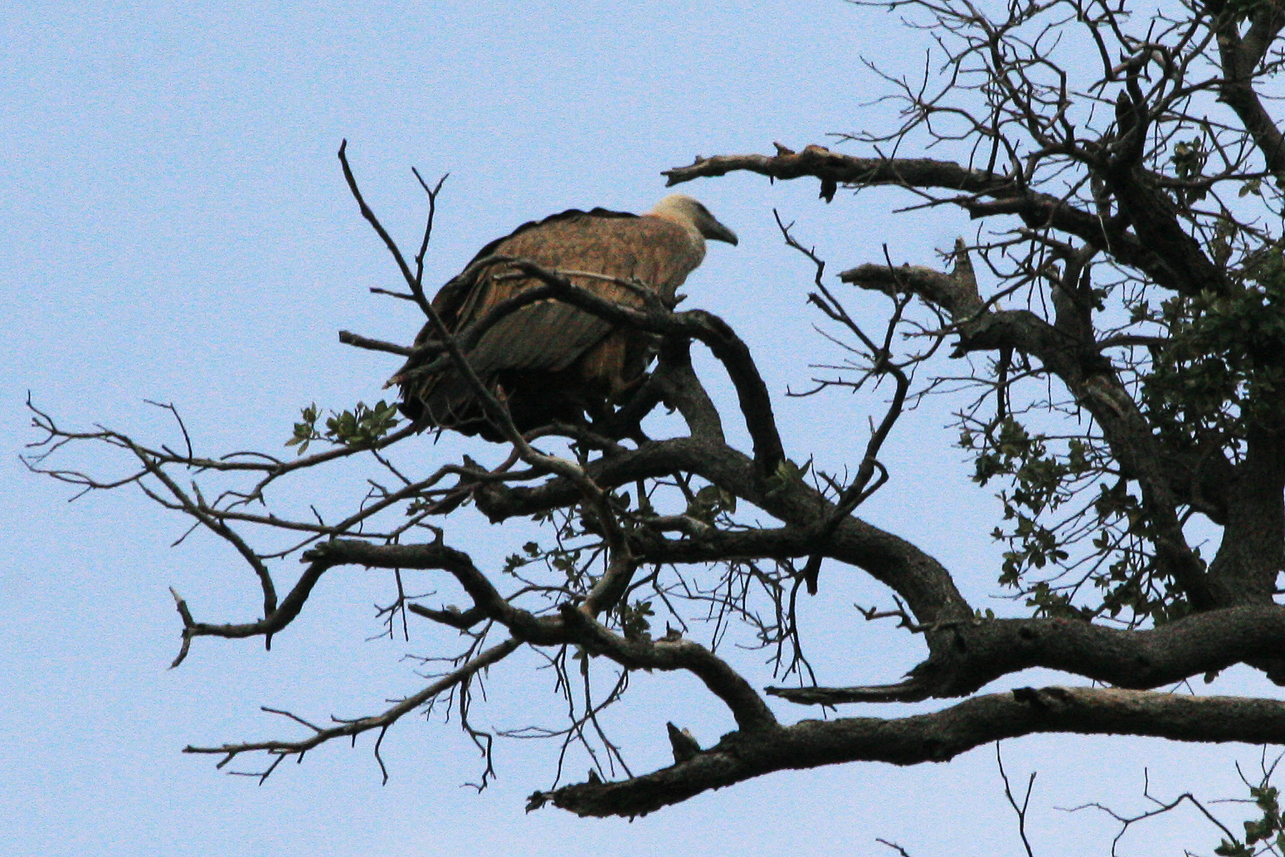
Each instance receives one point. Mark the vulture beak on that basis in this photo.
(715, 231)
(691, 215)
(707, 225)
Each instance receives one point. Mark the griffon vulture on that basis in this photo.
(551, 361)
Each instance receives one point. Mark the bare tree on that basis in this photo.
(1116, 338)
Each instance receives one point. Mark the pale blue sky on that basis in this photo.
(177, 228)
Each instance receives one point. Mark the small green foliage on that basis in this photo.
(1270, 826)
(1222, 243)
(786, 473)
(531, 551)
(305, 431)
(1266, 798)
(1224, 366)
(571, 556)
(1041, 475)
(567, 561)
(1037, 479)
(709, 502)
(1037, 474)
(1052, 602)
(645, 507)
(1234, 849)
(1189, 158)
(362, 427)
(635, 619)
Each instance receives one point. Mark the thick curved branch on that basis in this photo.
(986, 193)
(1175, 260)
(925, 585)
(1240, 58)
(523, 624)
(984, 650)
(705, 327)
(747, 706)
(574, 624)
(676, 382)
(1011, 197)
(1252, 552)
(935, 737)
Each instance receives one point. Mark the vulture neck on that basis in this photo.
(670, 213)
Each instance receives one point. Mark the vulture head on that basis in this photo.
(692, 216)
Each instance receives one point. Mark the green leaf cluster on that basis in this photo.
(1040, 531)
(710, 502)
(635, 619)
(786, 473)
(570, 557)
(1271, 826)
(1223, 367)
(362, 427)
(1038, 484)
(1188, 159)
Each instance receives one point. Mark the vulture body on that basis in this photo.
(550, 361)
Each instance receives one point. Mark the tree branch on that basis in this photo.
(984, 650)
(935, 737)
(1038, 210)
